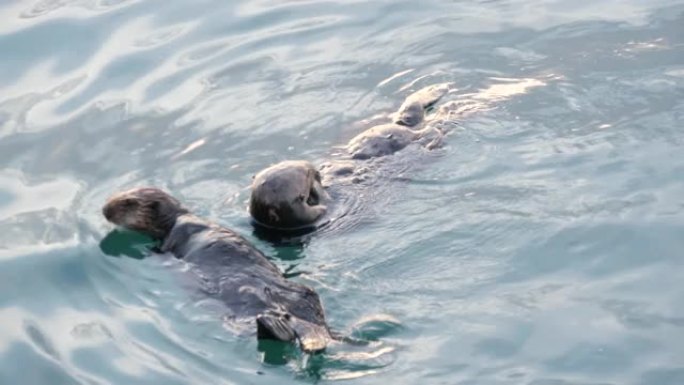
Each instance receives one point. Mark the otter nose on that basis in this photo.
(108, 212)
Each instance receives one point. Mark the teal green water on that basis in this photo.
(543, 245)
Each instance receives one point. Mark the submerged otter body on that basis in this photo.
(239, 275)
(279, 198)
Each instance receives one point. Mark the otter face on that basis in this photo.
(147, 210)
(410, 114)
(288, 195)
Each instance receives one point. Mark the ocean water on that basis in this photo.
(542, 245)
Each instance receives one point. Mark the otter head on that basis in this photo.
(147, 210)
(410, 114)
(287, 196)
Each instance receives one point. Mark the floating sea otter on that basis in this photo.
(290, 195)
(251, 287)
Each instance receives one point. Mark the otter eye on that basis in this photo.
(317, 176)
(128, 203)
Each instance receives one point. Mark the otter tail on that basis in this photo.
(284, 327)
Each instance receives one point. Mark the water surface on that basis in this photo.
(542, 245)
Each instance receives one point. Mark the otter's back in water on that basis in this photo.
(235, 272)
(229, 268)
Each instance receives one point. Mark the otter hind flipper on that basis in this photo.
(274, 327)
(312, 338)
(284, 327)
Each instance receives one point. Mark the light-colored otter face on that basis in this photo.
(410, 114)
(288, 195)
(147, 210)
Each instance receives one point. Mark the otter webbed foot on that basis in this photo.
(312, 337)
(274, 327)
(283, 327)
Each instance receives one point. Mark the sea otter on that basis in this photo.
(290, 195)
(251, 287)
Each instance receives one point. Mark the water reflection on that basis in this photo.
(127, 243)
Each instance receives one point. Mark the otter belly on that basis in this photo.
(380, 141)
